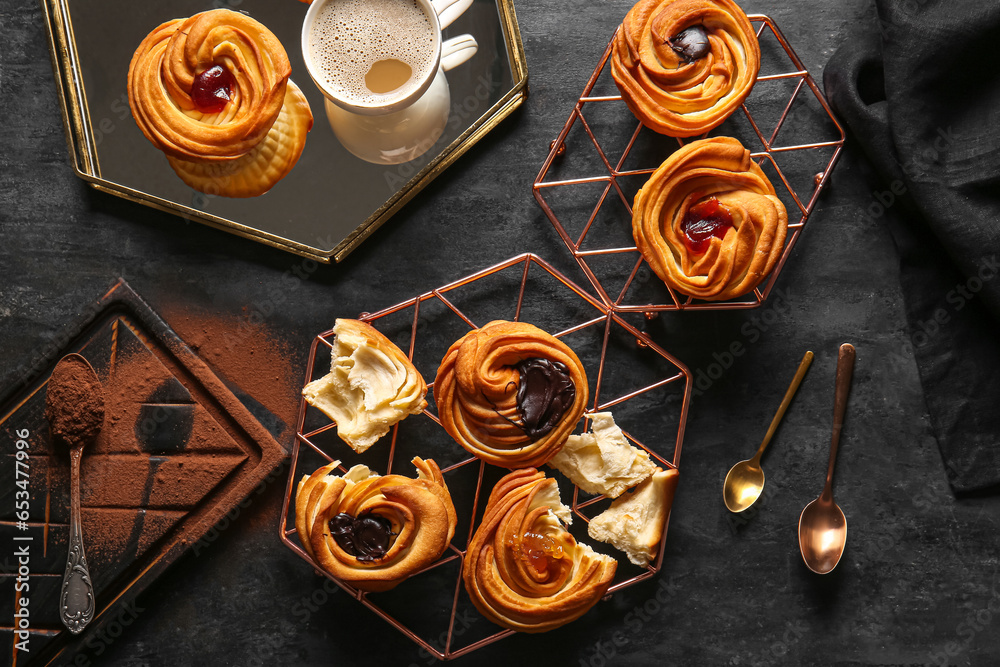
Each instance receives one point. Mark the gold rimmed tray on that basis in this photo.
(331, 201)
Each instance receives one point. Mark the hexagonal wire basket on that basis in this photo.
(604, 155)
(647, 388)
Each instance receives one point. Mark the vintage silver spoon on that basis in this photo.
(74, 406)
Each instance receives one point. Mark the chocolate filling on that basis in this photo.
(367, 537)
(544, 395)
(690, 43)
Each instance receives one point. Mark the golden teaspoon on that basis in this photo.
(745, 480)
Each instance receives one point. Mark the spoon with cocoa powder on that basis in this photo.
(74, 406)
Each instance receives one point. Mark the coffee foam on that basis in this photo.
(348, 36)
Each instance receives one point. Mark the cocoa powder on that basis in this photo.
(74, 403)
(160, 451)
(160, 477)
(247, 353)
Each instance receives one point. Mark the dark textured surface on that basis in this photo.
(918, 583)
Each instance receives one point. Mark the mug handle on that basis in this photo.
(449, 10)
(457, 50)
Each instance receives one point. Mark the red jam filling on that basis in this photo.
(212, 89)
(703, 221)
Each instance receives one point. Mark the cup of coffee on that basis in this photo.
(404, 135)
(375, 61)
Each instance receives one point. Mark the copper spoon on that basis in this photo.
(74, 406)
(745, 480)
(822, 525)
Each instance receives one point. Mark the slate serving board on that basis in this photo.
(177, 451)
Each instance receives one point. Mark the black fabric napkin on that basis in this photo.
(921, 95)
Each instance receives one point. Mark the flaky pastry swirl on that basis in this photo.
(718, 167)
(731, 266)
(671, 92)
(477, 394)
(160, 81)
(523, 570)
(419, 511)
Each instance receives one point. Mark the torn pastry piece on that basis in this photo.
(635, 522)
(602, 461)
(709, 222)
(371, 385)
(683, 66)
(373, 532)
(212, 92)
(523, 569)
(510, 393)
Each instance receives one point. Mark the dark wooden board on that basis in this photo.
(178, 450)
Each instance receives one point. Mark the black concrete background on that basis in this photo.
(918, 583)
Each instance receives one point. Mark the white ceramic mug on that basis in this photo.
(404, 123)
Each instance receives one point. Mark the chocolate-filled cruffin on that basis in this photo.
(372, 531)
(510, 393)
(683, 66)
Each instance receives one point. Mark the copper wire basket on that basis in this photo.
(648, 389)
(603, 155)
